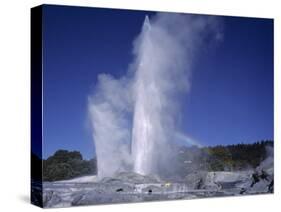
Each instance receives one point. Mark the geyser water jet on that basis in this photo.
(143, 133)
(135, 118)
(148, 133)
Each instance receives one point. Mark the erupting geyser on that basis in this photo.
(144, 135)
(135, 118)
(152, 126)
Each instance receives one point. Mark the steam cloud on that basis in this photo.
(135, 119)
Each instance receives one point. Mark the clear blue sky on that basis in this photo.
(231, 98)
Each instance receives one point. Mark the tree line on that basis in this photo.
(65, 164)
(235, 157)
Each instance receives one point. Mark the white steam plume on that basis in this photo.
(135, 119)
(108, 109)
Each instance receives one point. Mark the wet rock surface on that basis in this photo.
(131, 187)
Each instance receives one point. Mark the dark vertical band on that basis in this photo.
(36, 106)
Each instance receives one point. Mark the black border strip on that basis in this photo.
(36, 106)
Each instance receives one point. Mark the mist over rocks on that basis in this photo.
(251, 181)
(131, 177)
(134, 187)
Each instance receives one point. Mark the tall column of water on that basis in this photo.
(146, 122)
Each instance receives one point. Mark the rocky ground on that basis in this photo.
(132, 187)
